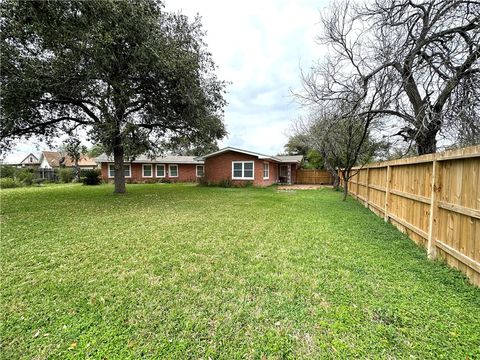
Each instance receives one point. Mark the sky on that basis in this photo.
(259, 48)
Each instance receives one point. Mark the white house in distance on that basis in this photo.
(29, 161)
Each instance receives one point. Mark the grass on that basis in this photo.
(177, 271)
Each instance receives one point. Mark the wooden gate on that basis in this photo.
(312, 176)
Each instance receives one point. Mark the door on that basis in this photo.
(283, 174)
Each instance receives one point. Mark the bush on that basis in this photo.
(25, 176)
(7, 171)
(165, 181)
(226, 183)
(65, 175)
(90, 177)
(7, 183)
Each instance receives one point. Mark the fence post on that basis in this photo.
(387, 191)
(356, 179)
(432, 221)
(366, 186)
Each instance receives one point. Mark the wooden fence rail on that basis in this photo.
(434, 199)
(312, 176)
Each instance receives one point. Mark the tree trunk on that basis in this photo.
(427, 144)
(119, 178)
(336, 180)
(77, 171)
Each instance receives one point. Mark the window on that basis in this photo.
(147, 171)
(173, 170)
(31, 159)
(242, 170)
(111, 170)
(266, 171)
(160, 170)
(200, 170)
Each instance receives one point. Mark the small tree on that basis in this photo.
(74, 149)
(129, 73)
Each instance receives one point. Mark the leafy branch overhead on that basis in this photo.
(131, 74)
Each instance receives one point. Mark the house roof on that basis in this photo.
(278, 158)
(24, 161)
(54, 158)
(167, 159)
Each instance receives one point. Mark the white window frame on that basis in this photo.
(112, 176)
(203, 170)
(156, 171)
(267, 169)
(170, 170)
(151, 171)
(243, 170)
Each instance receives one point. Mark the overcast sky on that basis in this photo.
(259, 47)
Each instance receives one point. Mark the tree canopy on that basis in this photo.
(132, 75)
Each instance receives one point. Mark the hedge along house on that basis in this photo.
(243, 166)
(145, 169)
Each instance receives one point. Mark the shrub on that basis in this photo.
(25, 176)
(65, 175)
(91, 177)
(165, 181)
(226, 183)
(7, 171)
(8, 182)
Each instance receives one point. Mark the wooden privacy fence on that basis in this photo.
(434, 198)
(312, 176)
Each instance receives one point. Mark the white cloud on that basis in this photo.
(259, 47)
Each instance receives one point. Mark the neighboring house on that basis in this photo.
(144, 169)
(55, 159)
(237, 165)
(30, 161)
(241, 166)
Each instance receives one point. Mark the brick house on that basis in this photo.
(238, 165)
(241, 166)
(145, 169)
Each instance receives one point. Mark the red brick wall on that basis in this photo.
(186, 173)
(219, 167)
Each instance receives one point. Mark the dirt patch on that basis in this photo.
(302, 187)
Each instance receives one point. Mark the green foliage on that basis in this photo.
(165, 181)
(91, 177)
(226, 183)
(244, 273)
(96, 150)
(313, 160)
(8, 182)
(25, 176)
(66, 175)
(7, 171)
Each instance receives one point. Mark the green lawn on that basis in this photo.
(178, 271)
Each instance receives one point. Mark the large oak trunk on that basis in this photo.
(426, 144)
(119, 178)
